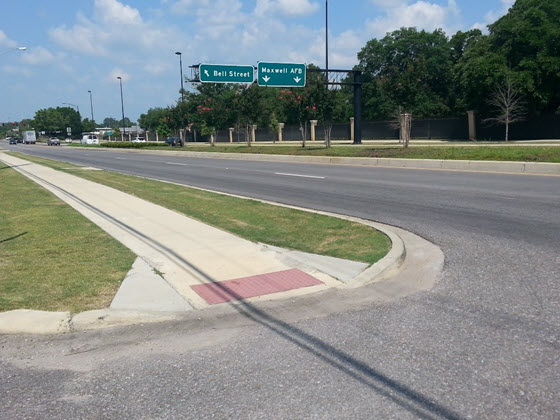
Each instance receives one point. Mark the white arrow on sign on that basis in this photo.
(266, 79)
(297, 79)
(206, 73)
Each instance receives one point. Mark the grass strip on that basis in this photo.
(250, 219)
(472, 152)
(51, 257)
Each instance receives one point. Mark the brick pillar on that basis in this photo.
(253, 134)
(472, 125)
(313, 125)
(280, 129)
(231, 130)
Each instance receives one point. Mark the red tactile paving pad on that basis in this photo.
(246, 287)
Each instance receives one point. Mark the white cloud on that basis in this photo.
(114, 12)
(421, 14)
(84, 37)
(6, 42)
(286, 7)
(114, 28)
(38, 56)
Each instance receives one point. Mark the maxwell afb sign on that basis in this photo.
(281, 74)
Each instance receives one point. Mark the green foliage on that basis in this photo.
(56, 120)
(476, 74)
(528, 38)
(151, 119)
(112, 122)
(407, 68)
(163, 130)
(88, 125)
(522, 44)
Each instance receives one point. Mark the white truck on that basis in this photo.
(29, 137)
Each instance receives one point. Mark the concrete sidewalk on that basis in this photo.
(182, 260)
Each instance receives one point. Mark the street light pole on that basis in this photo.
(14, 49)
(122, 106)
(327, 38)
(72, 105)
(91, 105)
(181, 67)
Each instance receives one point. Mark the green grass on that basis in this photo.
(250, 219)
(51, 257)
(474, 151)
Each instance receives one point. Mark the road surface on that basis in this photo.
(484, 343)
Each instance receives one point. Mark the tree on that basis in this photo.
(57, 120)
(476, 74)
(461, 42)
(88, 125)
(508, 103)
(163, 130)
(408, 68)
(114, 123)
(111, 122)
(299, 107)
(151, 119)
(527, 37)
(523, 45)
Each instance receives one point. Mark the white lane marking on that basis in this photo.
(120, 158)
(299, 175)
(178, 164)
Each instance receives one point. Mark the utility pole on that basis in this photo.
(181, 67)
(122, 107)
(327, 38)
(91, 105)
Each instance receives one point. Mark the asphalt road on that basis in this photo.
(484, 343)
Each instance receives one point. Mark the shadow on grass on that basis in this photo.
(14, 166)
(13, 237)
(399, 393)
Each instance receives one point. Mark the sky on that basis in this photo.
(78, 46)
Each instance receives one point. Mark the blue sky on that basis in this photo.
(76, 46)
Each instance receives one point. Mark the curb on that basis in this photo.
(26, 321)
(508, 167)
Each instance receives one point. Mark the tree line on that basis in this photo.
(426, 74)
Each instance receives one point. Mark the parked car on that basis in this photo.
(68, 140)
(89, 139)
(19, 140)
(13, 141)
(173, 141)
(53, 141)
(138, 140)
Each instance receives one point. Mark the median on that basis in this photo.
(472, 152)
(249, 219)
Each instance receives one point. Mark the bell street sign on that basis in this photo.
(226, 73)
(281, 74)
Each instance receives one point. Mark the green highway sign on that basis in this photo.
(226, 73)
(281, 74)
